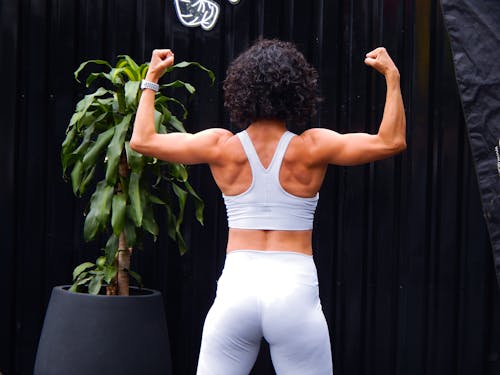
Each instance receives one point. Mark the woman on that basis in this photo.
(269, 178)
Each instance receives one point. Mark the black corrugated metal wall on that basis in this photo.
(404, 262)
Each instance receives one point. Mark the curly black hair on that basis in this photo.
(271, 80)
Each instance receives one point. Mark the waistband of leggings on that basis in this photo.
(269, 252)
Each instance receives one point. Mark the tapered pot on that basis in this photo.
(86, 334)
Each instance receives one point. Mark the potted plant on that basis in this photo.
(86, 333)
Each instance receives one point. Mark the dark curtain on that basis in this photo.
(474, 30)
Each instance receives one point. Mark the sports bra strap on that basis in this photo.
(253, 157)
(266, 205)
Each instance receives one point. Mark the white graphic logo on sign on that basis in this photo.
(203, 13)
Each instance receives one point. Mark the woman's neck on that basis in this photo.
(267, 128)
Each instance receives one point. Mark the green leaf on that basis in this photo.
(176, 124)
(86, 180)
(116, 76)
(78, 114)
(158, 118)
(131, 74)
(105, 113)
(131, 90)
(111, 249)
(199, 209)
(171, 223)
(106, 105)
(76, 285)
(100, 207)
(92, 116)
(74, 288)
(161, 104)
(84, 64)
(134, 159)
(154, 199)
(115, 149)
(181, 197)
(82, 267)
(101, 262)
(130, 233)
(162, 129)
(76, 176)
(143, 70)
(198, 202)
(84, 280)
(95, 150)
(124, 73)
(131, 69)
(166, 114)
(178, 83)
(84, 104)
(185, 64)
(126, 60)
(87, 134)
(81, 110)
(181, 244)
(93, 76)
(110, 272)
(178, 171)
(148, 220)
(95, 285)
(183, 107)
(119, 97)
(136, 277)
(135, 198)
(67, 147)
(118, 213)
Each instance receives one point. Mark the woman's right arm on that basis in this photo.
(331, 147)
(186, 148)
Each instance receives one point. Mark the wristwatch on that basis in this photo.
(149, 85)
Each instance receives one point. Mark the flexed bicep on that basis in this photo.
(360, 148)
(330, 147)
(186, 148)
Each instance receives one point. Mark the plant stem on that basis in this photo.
(122, 277)
(124, 252)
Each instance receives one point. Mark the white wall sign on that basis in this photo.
(203, 13)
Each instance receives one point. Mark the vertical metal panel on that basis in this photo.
(9, 17)
(31, 183)
(403, 258)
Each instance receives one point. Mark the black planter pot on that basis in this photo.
(92, 335)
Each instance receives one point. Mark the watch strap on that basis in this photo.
(149, 85)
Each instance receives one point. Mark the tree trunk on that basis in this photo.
(122, 276)
(124, 252)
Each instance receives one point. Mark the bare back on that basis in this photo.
(298, 176)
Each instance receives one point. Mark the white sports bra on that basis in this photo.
(266, 205)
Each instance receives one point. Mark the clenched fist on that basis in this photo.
(380, 60)
(161, 59)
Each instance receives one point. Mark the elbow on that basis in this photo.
(394, 147)
(401, 146)
(137, 145)
(134, 144)
(398, 146)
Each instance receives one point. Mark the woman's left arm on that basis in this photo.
(330, 147)
(186, 148)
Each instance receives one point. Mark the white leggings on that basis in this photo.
(270, 294)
